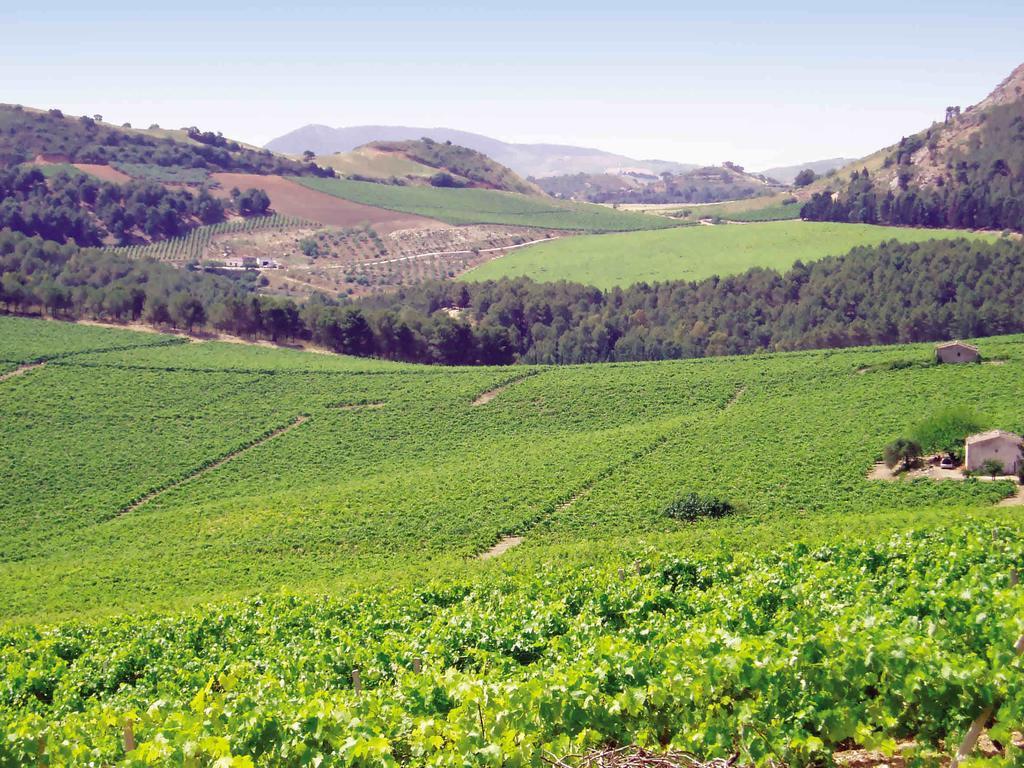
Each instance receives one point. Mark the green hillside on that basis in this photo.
(140, 481)
(693, 253)
(485, 206)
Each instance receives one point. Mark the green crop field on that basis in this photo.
(207, 540)
(485, 206)
(693, 253)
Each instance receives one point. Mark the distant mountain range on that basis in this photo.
(787, 173)
(536, 160)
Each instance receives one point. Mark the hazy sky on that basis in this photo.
(758, 83)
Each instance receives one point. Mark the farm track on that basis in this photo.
(485, 397)
(21, 369)
(584, 490)
(197, 473)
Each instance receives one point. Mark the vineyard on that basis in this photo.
(302, 584)
(195, 244)
(485, 206)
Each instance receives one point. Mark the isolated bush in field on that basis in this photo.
(944, 431)
(992, 468)
(693, 506)
(901, 451)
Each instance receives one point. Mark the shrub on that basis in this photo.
(692, 506)
(992, 468)
(901, 451)
(945, 430)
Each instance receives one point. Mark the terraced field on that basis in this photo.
(356, 496)
(694, 252)
(485, 206)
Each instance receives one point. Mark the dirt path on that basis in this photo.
(361, 406)
(587, 487)
(503, 546)
(1017, 500)
(486, 397)
(293, 424)
(20, 370)
(735, 397)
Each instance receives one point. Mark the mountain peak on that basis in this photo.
(1007, 92)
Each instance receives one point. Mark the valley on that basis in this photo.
(384, 446)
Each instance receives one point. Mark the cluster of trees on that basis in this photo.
(25, 134)
(892, 293)
(702, 185)
(79, 207)
(978, 185)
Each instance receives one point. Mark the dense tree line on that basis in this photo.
(79, 207)
(892, 293)
(979, 185)
(24, 134)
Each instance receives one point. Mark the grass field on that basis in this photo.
(354, 496)
(374, 164)
(485, 206)
(693, 253)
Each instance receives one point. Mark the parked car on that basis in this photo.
(947, 463)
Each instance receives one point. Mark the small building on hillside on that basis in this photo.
(956, 352)
(996, 445)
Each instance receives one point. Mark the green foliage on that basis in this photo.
(25, 134)
(689, 253)
(693, 506)
(903, 451)
(945, 430)
(992, 468)
(777, 657)
(486, 206)
(784, 211)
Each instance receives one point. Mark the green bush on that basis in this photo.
(692, 506)
(901, 451)
(945, 430)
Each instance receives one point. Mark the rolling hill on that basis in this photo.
(425, 161)
(525, 159)
(244, 556)
(701, 185)
(965, 171)
(787, 173)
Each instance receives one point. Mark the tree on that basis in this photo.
(805, 177)
(902, 451)
(186, 311)
(308, 155)
(992, 468)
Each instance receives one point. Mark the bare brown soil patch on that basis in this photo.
(486, 397)
(291, 199)
(21, 369)
(103, 172)
(361, 407)
(503, 546)
(296, 422)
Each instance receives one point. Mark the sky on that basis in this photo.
(761, 84)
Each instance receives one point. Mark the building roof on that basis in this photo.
(947, 344)
(992, 434)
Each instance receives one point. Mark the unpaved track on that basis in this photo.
(503, 546)
(490, 394)
(584, 490)
(20, 370)
(294, 423)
